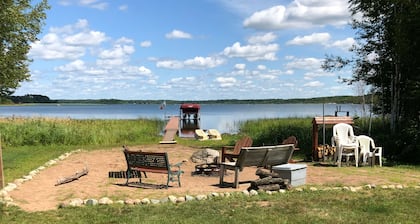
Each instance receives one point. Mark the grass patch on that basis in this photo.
(375, 206)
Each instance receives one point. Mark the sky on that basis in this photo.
(190, 49)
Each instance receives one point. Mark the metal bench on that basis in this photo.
(154, 162)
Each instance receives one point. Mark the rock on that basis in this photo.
(180, 199)
(172, 199)
(207, 156)
(253, 192)
(105, 201)
(120, 202)
(215, 194)
(189, 198)
(10, 187)
(129, 201)
(75, 202)
(313, 189)
(145, 201)
(245, 192)
(155, 201)
(201, 197)
(91, 202)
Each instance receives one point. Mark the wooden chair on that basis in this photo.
(244, 142)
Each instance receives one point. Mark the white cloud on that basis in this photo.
(77, 65)
(203, 62)
(300, 14)
(313, 84)
(194, 63)
(178, 34)
(345, 44)
(262, 67)
(95, 4)
(265, 38)
(252, 52)
(315, 38)
(170, 64)
(240, 66)
(123, 7)
(85, 38)
(225, 82)
(304, 63)
(146, 43)
(67, 42)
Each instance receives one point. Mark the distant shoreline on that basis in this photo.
(29, 99)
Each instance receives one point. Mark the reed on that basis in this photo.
(66, 132)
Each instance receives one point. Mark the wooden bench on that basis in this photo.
(154, 162)
(263, 156)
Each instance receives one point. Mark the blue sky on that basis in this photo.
(190, 49)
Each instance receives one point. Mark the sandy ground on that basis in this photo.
(41, 193)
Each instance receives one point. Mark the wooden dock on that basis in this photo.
(171, 129)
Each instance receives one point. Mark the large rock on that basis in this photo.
(205, 156)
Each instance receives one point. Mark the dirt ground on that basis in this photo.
(41, 194)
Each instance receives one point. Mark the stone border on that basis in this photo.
(78, 202)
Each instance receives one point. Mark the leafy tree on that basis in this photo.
(20, 24)
(387, 57)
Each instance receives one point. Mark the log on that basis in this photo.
(267, 180)
(69, 179)
(265, 173)
(269, 187)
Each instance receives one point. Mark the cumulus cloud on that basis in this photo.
(67, 42)
(240, 66)
(315, 38)
(252, 52)
(178, 34)
(313, 84)
(225, 82)
(345, 44)
(146, 43)
(304, 63)
(264, 38)
(300, 14)
(193, 63)
(203, 62)
(95, 4)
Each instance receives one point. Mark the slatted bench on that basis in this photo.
(154, 162)
(263, 156)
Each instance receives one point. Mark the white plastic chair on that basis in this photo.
(368, 149)
(345, 142)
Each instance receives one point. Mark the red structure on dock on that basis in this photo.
(189, 114)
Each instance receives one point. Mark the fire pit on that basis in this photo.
(207, 169)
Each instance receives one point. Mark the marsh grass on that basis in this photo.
(68, 132)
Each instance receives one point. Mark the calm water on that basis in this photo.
(223, 117)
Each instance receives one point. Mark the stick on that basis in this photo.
(69, 179)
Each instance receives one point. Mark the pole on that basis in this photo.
(1, 167)
(323, 131)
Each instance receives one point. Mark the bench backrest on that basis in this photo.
(147, 161)
(264, 155)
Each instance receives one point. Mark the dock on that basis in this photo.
(171, 129)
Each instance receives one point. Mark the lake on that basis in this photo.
(223, 117)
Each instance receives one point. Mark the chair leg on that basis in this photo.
(236, 183)
(221, 174)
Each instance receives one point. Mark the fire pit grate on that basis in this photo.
(207, 170)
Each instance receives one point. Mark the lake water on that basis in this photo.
(223, 117)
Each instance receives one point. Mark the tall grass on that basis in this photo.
(65, 132)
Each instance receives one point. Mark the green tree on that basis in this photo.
(20, 23)
(387, 57)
